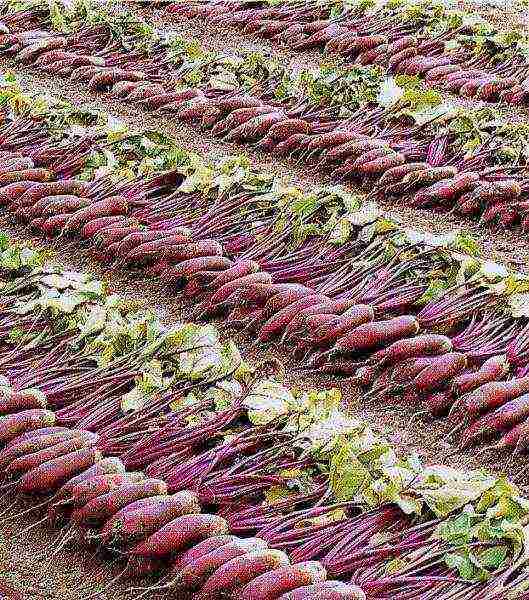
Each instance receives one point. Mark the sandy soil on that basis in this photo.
(75, 573)
(30, 571)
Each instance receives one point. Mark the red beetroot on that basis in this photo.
(139, 520)
(23, 464)
(115, 205)
(327, 590)
(201, 549)
(31, 445)
(101, 508)
(194, 575)
(493, 369)
(283, 317)
(240, 571)
(49, 476)
(96, 486)
(272, 585)
(373, 335)
(357, 315)
(13, 425)
(21, 400)
(93, 226)
(420, 345)
(181, 533)
(104, 466)
(502, 418)
(490, 395)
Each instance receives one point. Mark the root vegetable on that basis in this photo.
(41, 190)
(92, 227)
(499, 420)
(429, 344)
(327, 590)
(106, 78)
(240, 571)
(173, 249)
(195, 574)
(24, 463)
(31, 445)
(49, 476)
(11, 426)
(180, 533)
(441, 370)
(137, 521)
(272, 585)
(225, 291)
(491, 395)
(396, 174)
(53, 225)
(104, 466)
(37, 175)
(19, 401)
(280, 320)
(115, 205)
(201, 549)
(188, 267)
(13, 191)
(357, 315)
(493, 369)
(85, 491)
(106, 505)
(372, 335)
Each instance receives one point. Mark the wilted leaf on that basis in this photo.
(390, 93)
(268, 400)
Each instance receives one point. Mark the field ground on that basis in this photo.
(73, 574)
(27, 572)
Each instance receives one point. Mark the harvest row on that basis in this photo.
(322, 273)
(446, 46)
(160, 445)
(469, 161)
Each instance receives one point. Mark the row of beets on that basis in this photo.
(193, 457)
(135, 516)
(399, 46)
(394, 164)
(388, 351)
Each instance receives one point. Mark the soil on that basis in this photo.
(29, 570)
(74, 574)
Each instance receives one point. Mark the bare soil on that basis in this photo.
(29, 570)
(25, 566)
